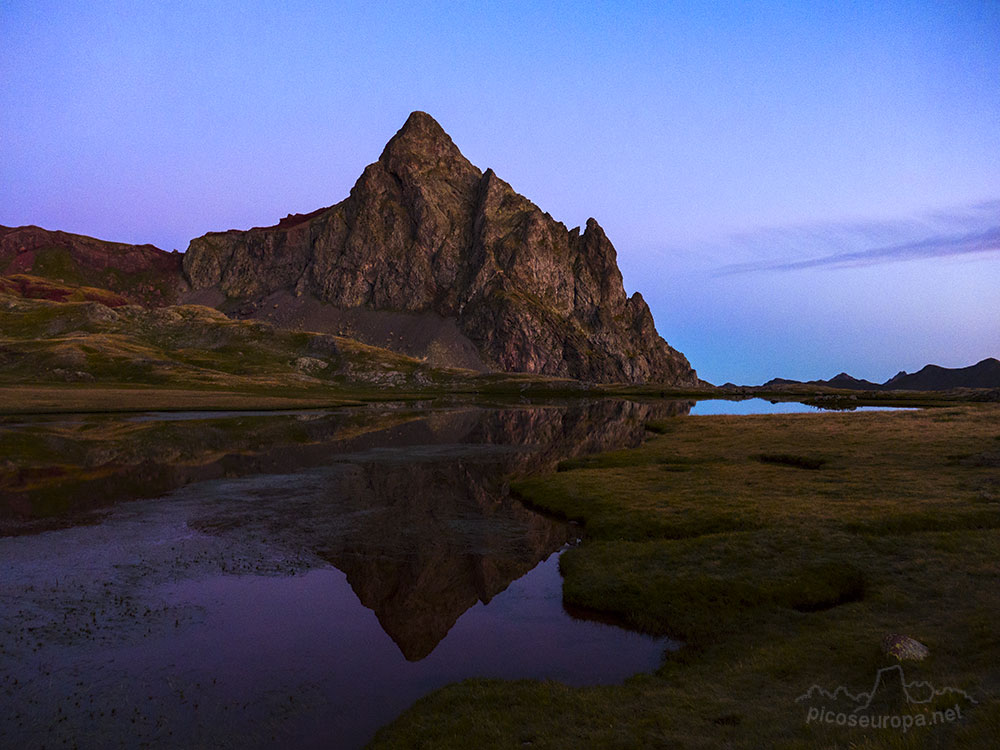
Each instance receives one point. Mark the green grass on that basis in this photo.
(774, 578)
(58, 263)
(85, 345)
(46, 342)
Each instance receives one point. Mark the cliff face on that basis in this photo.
(141, 274)
(424, 231)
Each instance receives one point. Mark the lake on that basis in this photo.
(276, 579)
(763, 406)
(286, 579)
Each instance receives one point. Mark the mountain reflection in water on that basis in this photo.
(411, 504)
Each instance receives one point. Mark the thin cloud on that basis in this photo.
(973, 231)
(940, 246)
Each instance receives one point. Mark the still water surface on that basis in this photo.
(294, 579)
(763, 406)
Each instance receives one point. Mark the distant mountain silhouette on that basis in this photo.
(984, 374)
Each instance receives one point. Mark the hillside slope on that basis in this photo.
(142, 274)
(42, 341)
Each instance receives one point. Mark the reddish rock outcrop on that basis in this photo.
(142, 274)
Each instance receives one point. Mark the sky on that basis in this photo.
(797, 189)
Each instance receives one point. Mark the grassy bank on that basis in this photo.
(781, 549)
(77, 399)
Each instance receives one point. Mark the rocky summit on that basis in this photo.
(435, 258)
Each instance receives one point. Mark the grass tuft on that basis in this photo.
(787, 459)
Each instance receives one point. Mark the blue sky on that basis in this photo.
(796, 188)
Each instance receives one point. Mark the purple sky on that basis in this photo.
(796, 188)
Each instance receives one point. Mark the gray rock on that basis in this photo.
(904, 648)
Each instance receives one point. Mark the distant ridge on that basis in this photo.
(984, 374)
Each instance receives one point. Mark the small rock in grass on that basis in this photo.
(904, 648)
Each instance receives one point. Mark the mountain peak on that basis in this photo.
(425, 233)
(421, 140)
(422, 122)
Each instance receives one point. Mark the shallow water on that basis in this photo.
(291, 579)
(763, 406)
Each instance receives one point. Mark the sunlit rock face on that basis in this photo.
(425, 232)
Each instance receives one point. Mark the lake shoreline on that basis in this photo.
(20, 399)
(763, 542)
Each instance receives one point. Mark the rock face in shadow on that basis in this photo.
(142, 274)
(425, 231)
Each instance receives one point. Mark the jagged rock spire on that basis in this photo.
(425, 231)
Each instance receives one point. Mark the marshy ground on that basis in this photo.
(781, 549)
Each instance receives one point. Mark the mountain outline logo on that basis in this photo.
(840, 707)
(919, 692)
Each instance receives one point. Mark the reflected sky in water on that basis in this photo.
(296, 579)
(763, 406)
